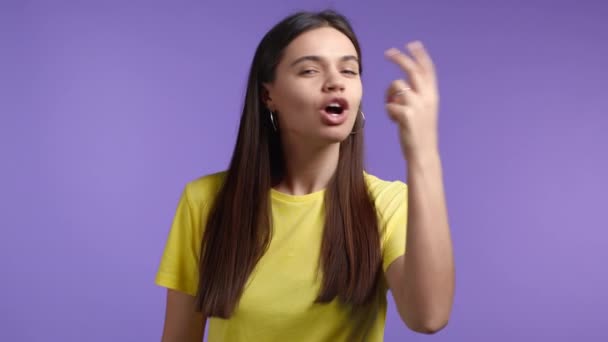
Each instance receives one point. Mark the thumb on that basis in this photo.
(396, 112)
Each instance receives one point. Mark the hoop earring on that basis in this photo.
(362, 125)
(272, 120)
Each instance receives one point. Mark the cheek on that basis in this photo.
(296, 99)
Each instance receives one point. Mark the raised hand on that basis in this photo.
(413, 102)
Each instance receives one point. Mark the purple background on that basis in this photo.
(109, 108)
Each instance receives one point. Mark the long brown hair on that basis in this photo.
(239, 228)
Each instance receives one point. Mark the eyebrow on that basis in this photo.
(318, 59)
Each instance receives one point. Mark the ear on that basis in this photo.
(266, 96)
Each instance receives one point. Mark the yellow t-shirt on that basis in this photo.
(278, 301)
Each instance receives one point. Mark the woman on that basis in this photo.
(295, 241)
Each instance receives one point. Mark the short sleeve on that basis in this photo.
(178, 269)
(394, 219)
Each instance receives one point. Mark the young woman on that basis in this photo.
(295, 241)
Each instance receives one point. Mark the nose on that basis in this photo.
(333, 83)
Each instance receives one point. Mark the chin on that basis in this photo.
(335, 135)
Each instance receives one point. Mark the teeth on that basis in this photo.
(334, 109)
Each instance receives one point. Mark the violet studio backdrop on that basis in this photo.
(109, 107)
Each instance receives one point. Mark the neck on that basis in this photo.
(308, 168)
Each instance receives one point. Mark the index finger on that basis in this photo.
(423, 58)
(408, 65)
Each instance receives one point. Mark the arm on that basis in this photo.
(422, 281)
(182, 322)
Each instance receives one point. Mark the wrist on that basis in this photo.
(425, 154)
(423, 159)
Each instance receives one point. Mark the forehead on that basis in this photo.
(324, 42)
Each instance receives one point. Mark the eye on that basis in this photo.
(350, 72)
(308, 72)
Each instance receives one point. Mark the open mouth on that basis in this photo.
(334, 109)
(336, 106)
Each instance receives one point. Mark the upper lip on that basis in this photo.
(339, 100)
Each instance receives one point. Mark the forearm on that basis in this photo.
(429, 264)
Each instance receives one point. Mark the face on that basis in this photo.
(317, 89)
